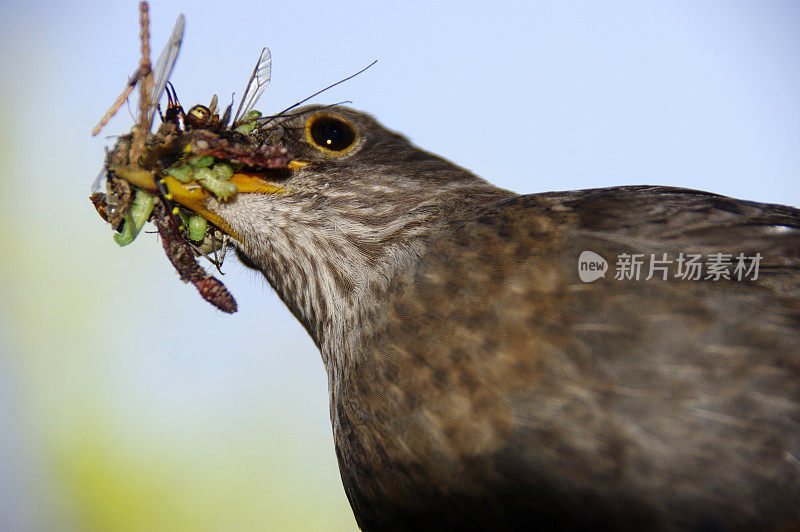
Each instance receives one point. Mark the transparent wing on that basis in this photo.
(255, 87)
(99, 183)
(165, 64)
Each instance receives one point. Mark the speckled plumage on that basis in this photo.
(475, 381)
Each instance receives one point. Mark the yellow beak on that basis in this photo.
(193, 196)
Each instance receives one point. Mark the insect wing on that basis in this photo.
(99, 183)
(259, 80)
(165, 64)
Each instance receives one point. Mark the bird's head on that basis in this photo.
(357, 201)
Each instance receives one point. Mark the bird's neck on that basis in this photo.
(329, 265)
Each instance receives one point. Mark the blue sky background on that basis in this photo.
(127, 402)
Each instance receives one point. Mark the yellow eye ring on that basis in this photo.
(331, 134)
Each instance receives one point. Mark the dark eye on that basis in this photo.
(332, 133)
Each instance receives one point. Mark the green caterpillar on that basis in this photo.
(135, 217)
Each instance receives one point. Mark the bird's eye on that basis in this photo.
(331, 133)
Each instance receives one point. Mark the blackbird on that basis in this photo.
(613, 358)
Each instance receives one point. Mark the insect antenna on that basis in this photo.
(286, 118)
(332, 85)
(294, 115)
(218, 259)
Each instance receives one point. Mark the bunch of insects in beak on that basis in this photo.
(197, 149)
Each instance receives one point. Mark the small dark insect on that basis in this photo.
(182, 257)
